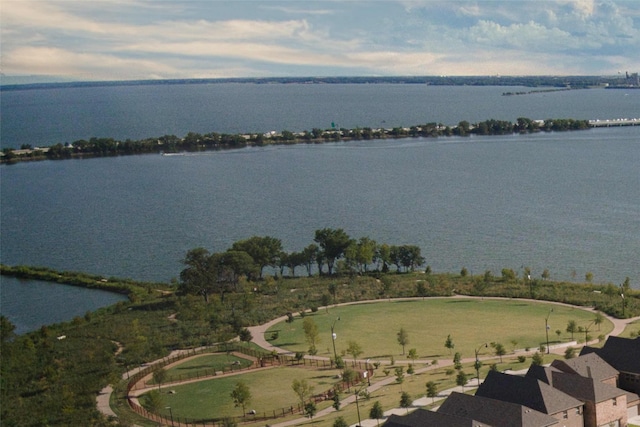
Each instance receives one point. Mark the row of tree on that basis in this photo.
(193, 141)
(333, 251)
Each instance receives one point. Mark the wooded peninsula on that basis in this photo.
(194, 142)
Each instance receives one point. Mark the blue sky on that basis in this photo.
(51, 40)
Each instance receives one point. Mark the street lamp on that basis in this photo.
(622, 296)
(333, 340)
(478, 364)
(546, 328)
(171, 413)
(358, 407)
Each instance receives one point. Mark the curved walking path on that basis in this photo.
(258, 338)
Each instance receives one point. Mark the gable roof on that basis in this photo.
(584, 388)
(494, 412)
(426, 418)
(621, 353)
(588, 365)
(541, 373)
(527, 391)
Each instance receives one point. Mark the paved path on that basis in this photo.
(258, 334)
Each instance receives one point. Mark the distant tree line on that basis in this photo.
(333, 252)
(193, 142)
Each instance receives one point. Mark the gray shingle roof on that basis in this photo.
(425, 418)
(587, 365)
(526, 391)
(621, 353)
(495, 412)
(585, 389)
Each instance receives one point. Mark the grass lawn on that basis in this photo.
(632, 330)
(205, 365)
(270, 390)
(470, 322)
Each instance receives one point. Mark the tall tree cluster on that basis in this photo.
(333, 251)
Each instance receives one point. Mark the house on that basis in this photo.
(624, 355)
(535, 394)
(604, 404)
(426, 418)
(590, 365)
(495, 412)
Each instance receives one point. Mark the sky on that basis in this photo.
(85, 40)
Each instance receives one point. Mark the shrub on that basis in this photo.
(521, 359)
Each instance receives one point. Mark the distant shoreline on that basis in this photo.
(573, 82)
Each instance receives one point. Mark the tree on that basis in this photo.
(413, 354)
(309, 256)
(241, 395)
(432, 390)
(302, 389)
(499, 350)
(405, 400)
(376, 411)
(545, 274)
(457, 358)
(159, 376)
(245, 335)
(588, 276)
(333, 244)
(263, 250)
(598, 319)
(336, 400)
(461, 379)
(570, 353)
(340, 422)
(310, 409)
(449, 343)
(6, 329)
(399, 374)
(354, 349)
(572, 327)
(199, 275)
(311, 334)
(403, 338)
(537, 359)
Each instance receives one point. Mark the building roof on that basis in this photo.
(494, 412)
(621, 353)
(527, 391)
(584, 388)
(542, 373)
(587, 365)
(426, 418)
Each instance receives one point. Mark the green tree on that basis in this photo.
(405, 401)
(340, 422)
(432, 390)
(376, 411)
(311, 333)
(588, 276)
(598, 319)
(354, 349)
(461, 379)
(537, 359)
(572, 327)
(309, 257)
(399, 374)
(159, 376)
(245, 335)
(413, 354)
(457, 358)
(6, 329)
(199, 275)
(310, 409)
(499, 350)
(569, 353)
(403, 338)
(336, 400)
(263, 250)
(333, 243)
(241, 395)
(302, 389)
(449, 343)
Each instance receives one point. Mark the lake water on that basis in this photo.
(567, 202)
(30, 304)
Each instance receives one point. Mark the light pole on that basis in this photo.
(546, 328)
(358, 407)
(171, 413)
(333, 340)
(477, 365)
(622, 296)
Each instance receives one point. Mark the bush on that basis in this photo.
(521, 359)
(314, 309)
(275, 335)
